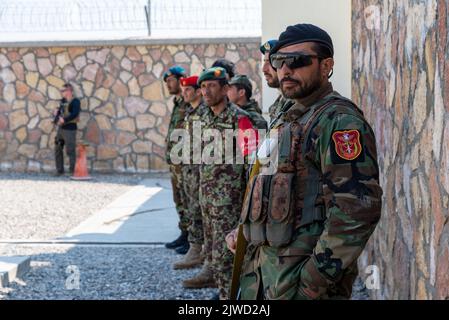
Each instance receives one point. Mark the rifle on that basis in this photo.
(60, 111)
(241, 244)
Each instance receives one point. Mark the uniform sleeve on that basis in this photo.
(346, 153)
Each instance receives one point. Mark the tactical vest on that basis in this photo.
(277, 205)
(66, 112)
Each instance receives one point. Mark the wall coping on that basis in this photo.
(127, 42)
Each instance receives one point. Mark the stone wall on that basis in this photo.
(125, 108)
(400, 69)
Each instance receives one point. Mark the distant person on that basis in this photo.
(66, 118)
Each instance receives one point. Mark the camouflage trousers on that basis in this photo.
(272, 273)
(191, 176)
(217, 223)
(179, 196)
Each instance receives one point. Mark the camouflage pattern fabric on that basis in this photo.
(176, 122)
(191, 175)
(179, 197)
(255, 114)
(274, 109)
(221, 195)
(320, 260)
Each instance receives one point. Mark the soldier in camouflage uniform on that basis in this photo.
(171, 78)
(239, 93)
(222, 182)
(272, 80)
(311, 217)
(191, 93)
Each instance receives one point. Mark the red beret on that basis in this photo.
(190, 81)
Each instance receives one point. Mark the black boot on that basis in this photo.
(182, 239)
(182, 249)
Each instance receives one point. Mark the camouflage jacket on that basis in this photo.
(176, 122)
(255, 114)
(310, 237)
(225, 179)
(193, 119)
(276, 107)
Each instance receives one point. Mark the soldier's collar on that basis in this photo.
(177, 99)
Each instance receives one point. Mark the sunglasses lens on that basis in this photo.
(293, 61)
(300, 61)
(275, 62)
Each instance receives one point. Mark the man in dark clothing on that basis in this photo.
(66, 118)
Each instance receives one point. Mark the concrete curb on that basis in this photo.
(12, 268)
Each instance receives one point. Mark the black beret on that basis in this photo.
(301, 33)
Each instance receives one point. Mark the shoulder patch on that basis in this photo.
(347, 144)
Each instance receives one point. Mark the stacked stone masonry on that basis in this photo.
(400, 67)
(125, 105)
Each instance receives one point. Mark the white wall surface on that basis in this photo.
(334, 16)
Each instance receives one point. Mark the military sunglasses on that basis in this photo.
(292, 60)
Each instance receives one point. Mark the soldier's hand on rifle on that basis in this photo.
(61, 121)
(231, 240)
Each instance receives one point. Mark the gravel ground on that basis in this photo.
(41, 206)
(109, 273)
(38, 207)
(106, 273)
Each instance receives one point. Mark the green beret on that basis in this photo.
(215, 73)
(242, 80)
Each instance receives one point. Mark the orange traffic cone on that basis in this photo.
(81, 164)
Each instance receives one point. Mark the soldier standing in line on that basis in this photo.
(222, 184)
(240, 93)
(272, 80)
(191, 93)
(311, 218)
(171, 78)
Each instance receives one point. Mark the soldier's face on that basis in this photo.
(190, 93)
(234, 94)
(66, 93)
(213, 93)
(173, 85)
(301, 82)
(269, 73)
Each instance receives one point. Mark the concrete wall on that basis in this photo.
(400, 67)
(125, 113)
(333, 16)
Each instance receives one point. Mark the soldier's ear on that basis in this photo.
(327, 67)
